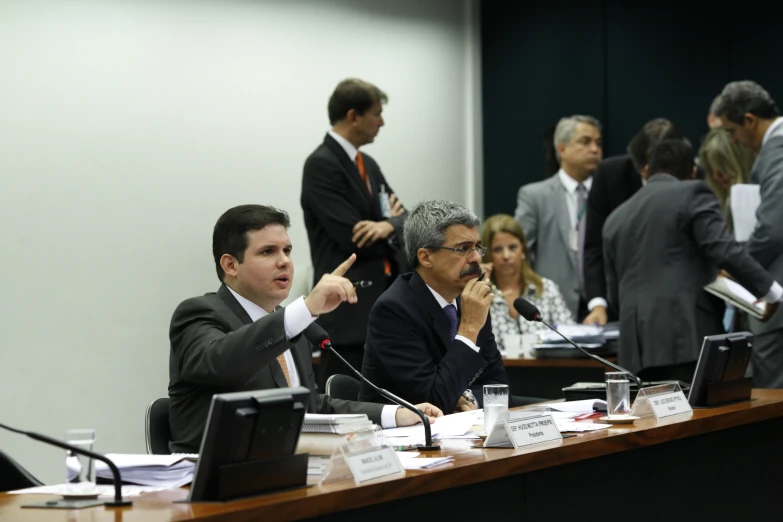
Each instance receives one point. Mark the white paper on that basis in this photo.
(584, 406)
(745, 201)
(411, 460)
(577, 426)
(322, 418)
(727, 289)
(106, 492)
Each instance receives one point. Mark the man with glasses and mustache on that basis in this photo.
(429, 337)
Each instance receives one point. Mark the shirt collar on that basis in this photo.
(345, 144)
(253, 310)
(775, 124)
(441, 301)
(570, 183)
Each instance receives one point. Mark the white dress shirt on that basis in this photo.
(296, 318)
(443, 304)
(347, 146)
(570, 185)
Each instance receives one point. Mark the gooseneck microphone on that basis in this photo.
(318, 337)
(118, 501)
(527, 310)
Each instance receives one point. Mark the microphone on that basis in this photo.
(527, 310)
(318, 337)
(118, 501)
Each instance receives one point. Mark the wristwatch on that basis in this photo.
(468, 394)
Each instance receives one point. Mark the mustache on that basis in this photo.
(472, 269)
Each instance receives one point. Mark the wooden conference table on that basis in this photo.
(718, 464)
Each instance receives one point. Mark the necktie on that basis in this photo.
(284, 366)
(362, 171)
(581, 216)
(451, 313)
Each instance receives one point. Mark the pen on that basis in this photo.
(361, 283)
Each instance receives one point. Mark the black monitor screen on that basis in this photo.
(721, 368)
(245, 428)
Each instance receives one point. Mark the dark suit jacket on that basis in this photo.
(614, 183)
(334, 198)
(660, 248)
(216, 348)
(409, 351)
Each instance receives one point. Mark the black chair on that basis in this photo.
(342, 387)
(156, 427)
(14, 476)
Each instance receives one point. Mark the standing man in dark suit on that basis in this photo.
(240, 338)
(618, 178)
(752, 118)
(344, 195)
(430, 335)
(661, 247)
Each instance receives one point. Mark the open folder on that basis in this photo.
(736, 294)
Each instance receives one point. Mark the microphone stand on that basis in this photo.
(427, 446)
(592, 355)
(118, 500)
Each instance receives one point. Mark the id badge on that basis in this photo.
(573, 239)
(385, 204)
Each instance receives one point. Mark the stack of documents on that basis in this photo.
(411, 460)
(456, 425)
(162, 471)
(341, 424)
(579, 333)
(736, 294)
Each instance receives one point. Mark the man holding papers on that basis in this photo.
(240, 338)
(661, 247)
(752, 118)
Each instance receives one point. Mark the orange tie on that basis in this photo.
(363, 172)
(284, 366)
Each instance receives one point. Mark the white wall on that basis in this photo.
(127, 128)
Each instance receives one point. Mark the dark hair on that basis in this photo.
(740, 98)
(353, 94)
(647, 138)
(673, 157)
(230, 233)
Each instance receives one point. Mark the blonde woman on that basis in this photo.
(726, 164)
(512, 277)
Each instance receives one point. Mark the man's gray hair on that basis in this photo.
(566, 127)
(426, 224)
(740, 98)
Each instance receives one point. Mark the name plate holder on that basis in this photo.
(662, 400)
(525, 431)
(362, 457)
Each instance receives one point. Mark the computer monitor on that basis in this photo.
(249, 443)
(720, 370)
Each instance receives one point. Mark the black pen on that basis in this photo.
(361, 283)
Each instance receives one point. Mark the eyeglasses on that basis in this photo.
(464, 251)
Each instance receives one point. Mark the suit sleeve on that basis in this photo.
(397, 221)
(527, 216)
(766, 242)
(329, 405)
(712, 235)
(324, 188)
(404, 356)
(597, 212)
(610, 272)
(206, 353)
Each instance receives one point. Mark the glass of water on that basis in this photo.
(80, 469)
(618, 394)
(495, 405)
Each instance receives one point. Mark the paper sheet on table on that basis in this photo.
(448, 425)
(411, 460)
(575, 426)
(745, 201)
(584, 406)
(106, 492)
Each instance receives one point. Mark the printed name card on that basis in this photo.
(523, 432)
(373, 464)
(669, 404)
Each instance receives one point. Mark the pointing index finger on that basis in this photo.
(344, 266)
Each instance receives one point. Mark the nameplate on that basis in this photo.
(373, 464)
(669, 404)
(523, 432)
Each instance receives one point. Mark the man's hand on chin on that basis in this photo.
(405, 417)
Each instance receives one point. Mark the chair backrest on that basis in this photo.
(156, 427)
(342, 387)
(14, 476)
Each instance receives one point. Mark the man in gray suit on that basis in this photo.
(553, 212)
(752, 118)
(240, 338)
(661, 247)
